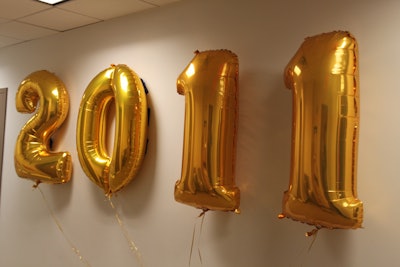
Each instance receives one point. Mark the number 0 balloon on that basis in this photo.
(33, 158)
(210, 86)
(323, 76)
(118, 84)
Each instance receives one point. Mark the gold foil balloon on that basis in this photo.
(323, 76)
(210, 86)
(33, 158)
(118, 84)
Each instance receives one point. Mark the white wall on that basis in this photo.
(158, 44)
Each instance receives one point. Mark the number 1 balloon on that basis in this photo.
(33, 158)
(210, 86)
(323, 76)
(121, 85)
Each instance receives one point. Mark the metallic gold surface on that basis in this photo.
(118, 84)
(33, 158)
(210, 86)
(323, 76)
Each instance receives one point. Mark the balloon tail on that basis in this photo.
(202, 216)
(132, 245)
(57, 222)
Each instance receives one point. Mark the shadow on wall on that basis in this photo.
(264, 144)
(262, 172)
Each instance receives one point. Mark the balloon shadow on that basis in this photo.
(262, 172)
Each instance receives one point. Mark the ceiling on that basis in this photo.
(24, 20)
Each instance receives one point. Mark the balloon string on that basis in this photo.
(191, 245)
(57, 222)
(202, 215)
(132, 245)
(313, 233)
(306, 248)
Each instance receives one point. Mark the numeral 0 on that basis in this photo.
(121, 85)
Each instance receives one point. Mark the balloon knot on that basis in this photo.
(108, 195)
(37, 183)
(203, 212)
(313, 232)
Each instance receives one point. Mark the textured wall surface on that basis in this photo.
(158, 44)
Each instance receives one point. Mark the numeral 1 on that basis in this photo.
(323, 76)
(210, 86)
